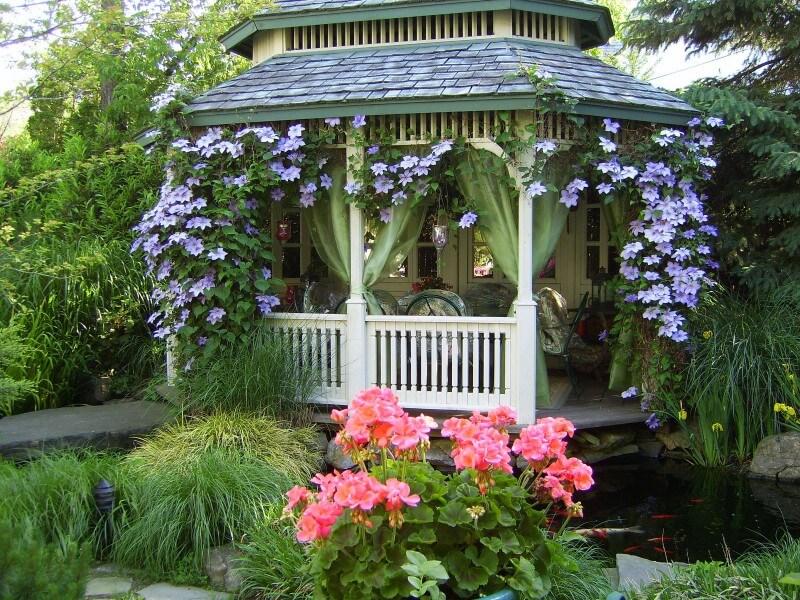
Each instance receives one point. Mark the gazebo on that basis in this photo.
(420, 68)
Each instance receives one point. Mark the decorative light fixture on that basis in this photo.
(283, 231)
(104, 493)
(439, 239)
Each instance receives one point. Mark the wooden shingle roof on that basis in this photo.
(432, 77)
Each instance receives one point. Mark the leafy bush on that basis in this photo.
(77, 305)
(738, 371)
(66, 277)
(274, 564)
(260, 375)
(399, 528)
(53, 494)
(754, 576)
(13, 350)
(31, 568)
(205, 484)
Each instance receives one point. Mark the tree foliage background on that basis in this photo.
(756, 192)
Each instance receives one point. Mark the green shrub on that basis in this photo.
(204, 484)
(738, 371)
(262, 375)
(754, 576)
(54, 493)
(274, 564)
(78, 304)
(32, 569)
(13, 350)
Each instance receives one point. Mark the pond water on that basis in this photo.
(671, 510)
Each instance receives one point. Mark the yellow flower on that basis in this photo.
(682, 415)
(790, 411)
(779, 407)
(707, 334)
(716, 427)
(790, 376)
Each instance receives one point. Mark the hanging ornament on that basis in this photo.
(283, 231)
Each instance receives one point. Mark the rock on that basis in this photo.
(613, 577)
(778, 456)
(674, 439)
(439, 454)
(651, 449)
(103, 426)
(166, 591)
(220, 567)
(584, 438)
(636, 572)
(336, 458)
(108, 586)
(608, 439)
(321, 441)
(781, 499)
(591, 456)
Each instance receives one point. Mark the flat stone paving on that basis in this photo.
(112, 425)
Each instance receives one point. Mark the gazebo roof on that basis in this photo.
(427, 77)
(596, 26)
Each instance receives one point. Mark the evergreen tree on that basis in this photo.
(756, 193)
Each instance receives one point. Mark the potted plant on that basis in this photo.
(398, 528)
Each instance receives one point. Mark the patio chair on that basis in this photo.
(438, 303)
(558, 337)
(490, 299)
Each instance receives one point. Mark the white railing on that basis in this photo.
(318, 341)
(457, 363)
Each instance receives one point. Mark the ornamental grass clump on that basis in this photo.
(206, 483)
(398, 528)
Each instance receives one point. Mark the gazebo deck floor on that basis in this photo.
(594, 407)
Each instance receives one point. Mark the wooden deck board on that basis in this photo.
(595, 407)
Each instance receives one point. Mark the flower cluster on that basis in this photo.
(357, 493)
(387, 177)
(665, 252)
(203, 239)
(430, 283)
(458, 519)
(374, 422)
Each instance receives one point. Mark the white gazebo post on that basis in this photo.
(525, 309)
(356, 340)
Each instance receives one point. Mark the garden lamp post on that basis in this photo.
(104, 493)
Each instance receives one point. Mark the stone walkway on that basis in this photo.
(112, 425)
(115, 587)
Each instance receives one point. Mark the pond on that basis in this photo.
(668, 509)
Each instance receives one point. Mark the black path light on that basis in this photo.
(104, 493)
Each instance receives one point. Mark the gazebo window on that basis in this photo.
(539, 27)
(391, 31)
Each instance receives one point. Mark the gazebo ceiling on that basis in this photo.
(433, 77)
(596, 26)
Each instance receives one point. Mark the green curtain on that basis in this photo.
(393, 242)
(329, 225)
(483, 179)
(549, 218)
(620, 378)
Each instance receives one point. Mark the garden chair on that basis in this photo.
(558, 337)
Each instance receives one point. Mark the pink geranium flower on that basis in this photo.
(297, 495)
(399, 493)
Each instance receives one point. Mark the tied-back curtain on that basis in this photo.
(329, 225)
(483, 179)
(549, 218)
(393, 242)
(620, 376)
